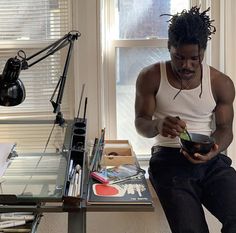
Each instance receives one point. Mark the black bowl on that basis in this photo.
(199, 143)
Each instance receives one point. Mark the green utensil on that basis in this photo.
(185, 134)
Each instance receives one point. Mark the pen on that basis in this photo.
(71, 169)
(71, 187)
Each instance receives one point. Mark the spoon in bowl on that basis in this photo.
(185, 134)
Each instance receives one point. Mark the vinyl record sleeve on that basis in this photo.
(131, 191)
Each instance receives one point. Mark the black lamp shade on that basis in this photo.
(12, 90)
(12, 93)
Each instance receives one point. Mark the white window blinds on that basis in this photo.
(31, 26)
(33, 20)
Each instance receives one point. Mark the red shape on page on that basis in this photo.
(105, 190)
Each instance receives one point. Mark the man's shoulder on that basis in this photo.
(149, 76)
(222, 85)
(152, 68)
(217, 74)
(151, 71)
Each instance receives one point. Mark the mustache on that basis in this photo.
(186, 71)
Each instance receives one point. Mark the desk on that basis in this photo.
(38, 182)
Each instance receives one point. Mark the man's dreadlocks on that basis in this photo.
(190, 27)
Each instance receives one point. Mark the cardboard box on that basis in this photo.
(117, 152)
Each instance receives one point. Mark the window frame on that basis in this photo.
(34, 117)
(108, 61)
(38, 45)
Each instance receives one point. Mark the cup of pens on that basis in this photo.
(75, 179)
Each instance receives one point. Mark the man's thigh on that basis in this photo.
(219, 193)
(182, 206)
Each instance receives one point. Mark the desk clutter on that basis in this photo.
(76, 164)
(44, 181)
(115, 175)
(63, 181)
(110, 153)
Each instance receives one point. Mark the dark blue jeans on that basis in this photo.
(183, 188)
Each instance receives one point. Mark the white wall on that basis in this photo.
(229, 19)
(86, 61)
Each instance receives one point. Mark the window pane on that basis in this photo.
(33, 20)
(35, 24)
(130, 61)
(141, 19)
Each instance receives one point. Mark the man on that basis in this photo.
(186, 92)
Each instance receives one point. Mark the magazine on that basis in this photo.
(115, 174)
(131, 191)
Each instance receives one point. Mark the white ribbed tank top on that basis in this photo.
(194, 110)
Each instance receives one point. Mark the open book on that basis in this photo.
(111, 175)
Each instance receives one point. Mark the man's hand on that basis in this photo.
(171, 127)
(199, 158)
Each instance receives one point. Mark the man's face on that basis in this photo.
(186, 60)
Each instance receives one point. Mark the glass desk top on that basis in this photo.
(35, 177)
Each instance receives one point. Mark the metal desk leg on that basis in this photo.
(77, 221)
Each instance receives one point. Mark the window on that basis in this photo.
(133, 36)
(31, 26)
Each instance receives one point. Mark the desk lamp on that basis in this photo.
(12, 90)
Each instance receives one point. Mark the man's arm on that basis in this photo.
(145, 104)
(224, 94)
(224, 113)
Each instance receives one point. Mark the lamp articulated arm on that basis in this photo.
(12, 91)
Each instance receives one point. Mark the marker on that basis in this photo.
(76, 184)
(79, 183)
(16, 217)
(14, 230)
(71, 187)
(11, 223)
